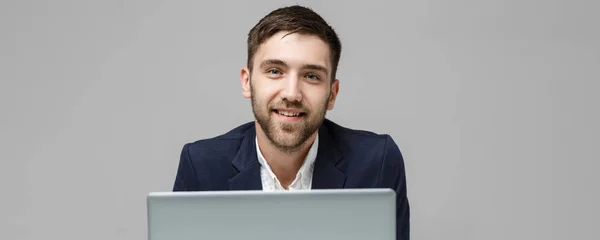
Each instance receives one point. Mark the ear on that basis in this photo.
(245, 81)
(335, 88)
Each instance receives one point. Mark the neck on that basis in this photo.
(285, 164)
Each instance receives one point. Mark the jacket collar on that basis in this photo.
(247, 165)
(326, 174)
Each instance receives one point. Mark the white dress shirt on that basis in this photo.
(303, 180)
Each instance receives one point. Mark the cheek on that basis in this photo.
(317, 99)
(263, 93)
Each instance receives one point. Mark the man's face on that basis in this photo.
(291, 87)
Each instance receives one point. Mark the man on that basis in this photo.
(290, 78)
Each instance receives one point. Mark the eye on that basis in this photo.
(273, 71)
(312, 77)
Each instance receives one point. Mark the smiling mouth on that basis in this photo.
(289, 113)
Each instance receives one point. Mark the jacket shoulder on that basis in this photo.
(360, 137)
(365, 146)
(206, 163)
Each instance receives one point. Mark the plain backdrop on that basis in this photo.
(493, 103)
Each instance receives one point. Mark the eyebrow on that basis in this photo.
(264, 63)
(315, 67)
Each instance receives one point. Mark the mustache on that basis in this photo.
(289, 104)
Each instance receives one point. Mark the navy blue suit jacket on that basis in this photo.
(346, 158)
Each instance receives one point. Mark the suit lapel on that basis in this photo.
(247, 166)
(326, 175)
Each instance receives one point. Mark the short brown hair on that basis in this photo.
(295, 19)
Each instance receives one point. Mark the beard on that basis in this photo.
(287, 136)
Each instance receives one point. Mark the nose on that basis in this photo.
(291, 90)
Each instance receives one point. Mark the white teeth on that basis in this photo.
(289, 114)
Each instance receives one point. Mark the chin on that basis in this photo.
(285, 137)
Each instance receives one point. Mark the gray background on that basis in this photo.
(493, 104)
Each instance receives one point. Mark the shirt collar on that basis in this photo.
(305, 172)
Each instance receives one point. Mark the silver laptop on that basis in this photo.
(291, 215)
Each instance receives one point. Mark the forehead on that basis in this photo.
(294, 49)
